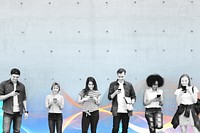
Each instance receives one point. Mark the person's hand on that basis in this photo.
(25, 115)
(155, 99)
(117, 91)
(95, 99)
(13, 93)
(86, 98)
(57, 102)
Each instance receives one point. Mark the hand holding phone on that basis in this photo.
(158, 96)
(55, 100)
(17, 91)
(184, 89)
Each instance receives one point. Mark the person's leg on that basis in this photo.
(125, 121)
(7, 120)
(158, 119)
(17, 120)
(51, 122)
(150, 120)
(183, 128)
(59, 123)
(116, 121)
(94, 121)
(85, 122)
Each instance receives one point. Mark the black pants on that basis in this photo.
(154, 118)
(116, 121)
(55, 120)
(91, 120)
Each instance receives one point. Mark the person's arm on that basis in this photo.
(25, 105)
(61, 103)
(25, 109)
(11, 94)
(178, 94)
(111, 92)
(133, 96)
(97, 100)
(82, 100)
(4, 96)
(145, 101)
(114, 94)
(161, 99)
(148, 101)
(193, 93)
(47, 103)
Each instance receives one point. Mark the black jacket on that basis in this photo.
(186, 110)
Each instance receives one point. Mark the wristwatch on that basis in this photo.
(26, 112)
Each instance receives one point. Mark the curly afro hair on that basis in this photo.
(151, 79)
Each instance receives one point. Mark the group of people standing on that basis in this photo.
(122, 95)
(186, 98)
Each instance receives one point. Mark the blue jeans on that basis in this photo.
(116, 122)
(154, 119)
(16, 118)
(55, 120)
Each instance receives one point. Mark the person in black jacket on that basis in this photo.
(118, 91)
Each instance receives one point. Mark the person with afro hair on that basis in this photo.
(153, 101)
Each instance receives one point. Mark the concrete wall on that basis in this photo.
(67, 41)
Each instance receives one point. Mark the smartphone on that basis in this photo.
(184, 89)
(158, 96)
(55, 99)
(17, 91)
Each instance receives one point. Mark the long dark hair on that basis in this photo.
(87, 89)
(179, 82)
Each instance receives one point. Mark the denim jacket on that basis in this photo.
(129, 92)
(7, 87)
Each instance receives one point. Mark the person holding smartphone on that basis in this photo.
(153, 101)
(186, 97)
(89, 99)
(117, 92)
(13, 94)
(55, 103)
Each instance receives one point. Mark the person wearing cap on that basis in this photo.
(55, 103)
(13, 95)
(118, 92)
